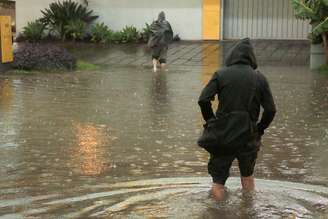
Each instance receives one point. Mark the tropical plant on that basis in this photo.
(116, 37)
(75, 29)
(130, 34)
(100, 33)
(86, 2)
(145, 34)
(61, 13)
(33, 32)
(109, 36)
(316, 11)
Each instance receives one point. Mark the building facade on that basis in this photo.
(192, 19)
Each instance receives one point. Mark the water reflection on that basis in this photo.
(6, 95)
(90, 150)
(212, 59)
(159, 92)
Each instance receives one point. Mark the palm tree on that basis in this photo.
(317, 12)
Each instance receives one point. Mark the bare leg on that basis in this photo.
(163, 65)
(218, 191)
(248, 183)
(155, 65)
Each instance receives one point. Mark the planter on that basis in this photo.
(317, 56)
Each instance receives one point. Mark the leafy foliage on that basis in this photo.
(129, 34)
(34, 56)
(60, 14)
(317, 12)
(321, 28)
(116, 37)
(101, 33)
(33, 32)
(314, 10)
(75, 29)
(145, 34)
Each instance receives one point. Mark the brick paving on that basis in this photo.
(197, 53)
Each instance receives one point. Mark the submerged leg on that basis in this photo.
(248, 183)
(218, 168)
(218, 191)
(163, 66)
(155, 65)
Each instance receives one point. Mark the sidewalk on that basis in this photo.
(195, 53)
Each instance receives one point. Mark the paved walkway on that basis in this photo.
(192, 53)
(196, 53)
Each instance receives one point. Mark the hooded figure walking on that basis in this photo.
(160, 38)
(239, 87)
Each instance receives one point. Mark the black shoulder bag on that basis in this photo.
(228, 132)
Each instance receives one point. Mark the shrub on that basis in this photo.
(33, 56)
(100, 33)
(33, 32)
(145, 34)
(75, 29)
(109, 36)
(60, 14)
(116, 37)
(129, 34)
(317, 13)
(176, 38)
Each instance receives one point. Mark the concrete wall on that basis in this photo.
(29, 10)
(185, 16)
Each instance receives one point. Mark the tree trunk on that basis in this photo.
(325, 44)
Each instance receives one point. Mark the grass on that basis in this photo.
(85, 66)
(323, 69)
(20, 72)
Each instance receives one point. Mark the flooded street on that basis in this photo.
(120, 142)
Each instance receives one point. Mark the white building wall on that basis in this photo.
(185, 16)
(29, 10)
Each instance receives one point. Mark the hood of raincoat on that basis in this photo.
(161, 16)
(242, 53)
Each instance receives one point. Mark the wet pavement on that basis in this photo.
(119, 142)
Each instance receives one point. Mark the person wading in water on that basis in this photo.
(238, 85)
(160, 38)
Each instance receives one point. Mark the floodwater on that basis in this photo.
(119, 142)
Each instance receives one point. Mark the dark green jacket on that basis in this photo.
(234, 85)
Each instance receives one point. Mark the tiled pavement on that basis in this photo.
(196, 53)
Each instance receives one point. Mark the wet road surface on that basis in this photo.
(119, 142)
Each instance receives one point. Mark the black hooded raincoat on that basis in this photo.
(234, 86)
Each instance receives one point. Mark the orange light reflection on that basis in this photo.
(90, 151)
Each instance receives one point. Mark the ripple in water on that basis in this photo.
(176, 198)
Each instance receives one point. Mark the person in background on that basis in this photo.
(161, 35)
